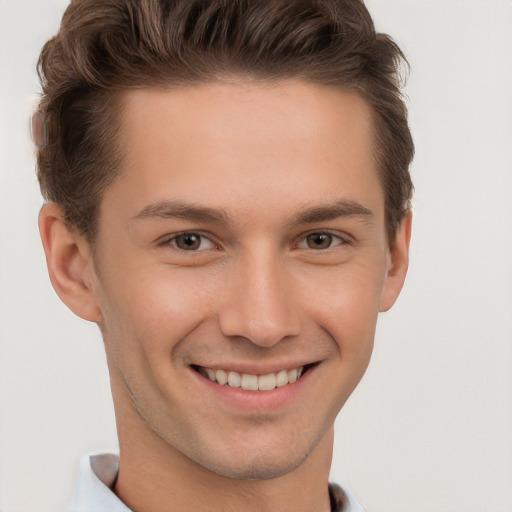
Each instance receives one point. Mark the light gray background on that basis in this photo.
(430, 427)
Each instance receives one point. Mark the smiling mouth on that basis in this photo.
(251, 382)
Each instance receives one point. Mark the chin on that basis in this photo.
(258, 460)
(262, 468)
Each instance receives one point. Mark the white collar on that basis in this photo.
(93, 493)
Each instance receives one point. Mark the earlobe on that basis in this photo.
(70, 267)
(398, 265)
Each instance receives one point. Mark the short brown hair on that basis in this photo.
(106, 46)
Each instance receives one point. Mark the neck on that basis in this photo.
(154, 476)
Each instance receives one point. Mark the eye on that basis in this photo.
(191, 242)
(320, 241)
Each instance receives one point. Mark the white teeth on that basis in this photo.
(251, 382)
(221, 376)
(267, 382)
(292, 375)
(282, 378)
(234, 379)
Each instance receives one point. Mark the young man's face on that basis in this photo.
(245, 234)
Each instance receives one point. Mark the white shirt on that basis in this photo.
(97, 474)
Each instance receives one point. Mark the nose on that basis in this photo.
(259, 301)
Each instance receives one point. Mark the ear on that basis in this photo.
(70, 266)
(398, 264)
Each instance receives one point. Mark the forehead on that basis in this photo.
(241, 142)
(248, 113)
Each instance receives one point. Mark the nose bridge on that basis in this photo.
(259, 302)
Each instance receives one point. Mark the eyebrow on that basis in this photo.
(184, 211)
(331, 211)
(197, 213)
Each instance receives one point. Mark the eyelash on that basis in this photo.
(342, 240)
(171, 241)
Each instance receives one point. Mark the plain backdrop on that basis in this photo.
(430, 427)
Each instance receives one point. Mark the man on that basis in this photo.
(228, 198)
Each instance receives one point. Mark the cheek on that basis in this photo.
(348, 313)
(154, 310)
(346, 306)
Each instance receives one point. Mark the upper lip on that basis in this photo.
(255, 368)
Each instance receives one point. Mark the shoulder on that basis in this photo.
(342, 500)
(96, 478)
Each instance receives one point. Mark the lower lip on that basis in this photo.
(256, 400)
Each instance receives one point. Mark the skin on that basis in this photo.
(291, 266)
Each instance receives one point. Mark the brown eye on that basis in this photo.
(319, 241)
(188, 241)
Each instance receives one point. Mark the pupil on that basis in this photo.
(189, 241)
(319, 241)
